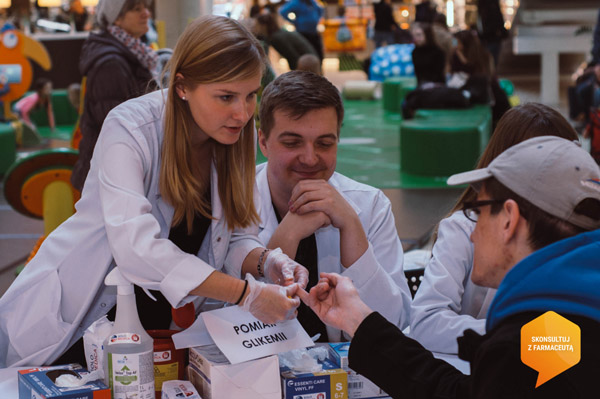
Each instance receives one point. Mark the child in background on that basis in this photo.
(592, 130)
(41, 98)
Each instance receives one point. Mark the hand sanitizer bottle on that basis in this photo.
(128, 350)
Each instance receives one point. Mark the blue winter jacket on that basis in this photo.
(563, 277)
(308, 13)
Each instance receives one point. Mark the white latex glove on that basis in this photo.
(270, 303)
(280, 269)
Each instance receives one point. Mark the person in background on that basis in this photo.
(428, 58)
(255, 9)
(290, 45)
(78, 14)
(169, 199)
(584, 96)
(118, 66)
(311, 63)
(443, 38)
(448, 302)
(592, 128)
(385, 24)
(307, 15)
(322, 219)
(425, 11)
(470, 56)
(40, 98)
(492, 27)
(536, 238)
(596, 42)
(472, 60)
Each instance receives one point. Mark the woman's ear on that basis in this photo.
(179, 87)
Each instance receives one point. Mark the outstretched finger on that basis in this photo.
(304, 296)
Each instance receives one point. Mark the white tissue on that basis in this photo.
(69, 380)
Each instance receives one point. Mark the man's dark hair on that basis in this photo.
(544, 229)
(297, 93)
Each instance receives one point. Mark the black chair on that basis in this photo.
(414, 278)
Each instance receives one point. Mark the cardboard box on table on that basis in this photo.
(215, 378)
(38, 383)
(359, 386)
(237, 356)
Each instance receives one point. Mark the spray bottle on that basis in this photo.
(128, 350)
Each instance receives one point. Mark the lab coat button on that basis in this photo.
(102, 305)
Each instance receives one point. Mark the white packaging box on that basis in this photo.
(359, 386)
(215, 378)
(176, 389)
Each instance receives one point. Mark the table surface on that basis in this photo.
(9, 387)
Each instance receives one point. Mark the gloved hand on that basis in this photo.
(270, 303)
(280, 269)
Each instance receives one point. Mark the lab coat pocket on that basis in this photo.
(36, 325)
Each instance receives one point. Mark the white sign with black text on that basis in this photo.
(242, 337)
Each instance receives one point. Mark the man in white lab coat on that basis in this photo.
(326, 221)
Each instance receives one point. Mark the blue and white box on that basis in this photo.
(39, 383)
(330, 383)
(359, 386)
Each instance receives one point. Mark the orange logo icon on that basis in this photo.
(550, 344)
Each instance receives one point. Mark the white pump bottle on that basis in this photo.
(128, 350)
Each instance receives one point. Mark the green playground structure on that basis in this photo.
(65, 117)
(8, 146)
(16, 133)
(440, 143)
(378, 147)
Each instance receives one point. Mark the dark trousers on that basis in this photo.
(316, 41)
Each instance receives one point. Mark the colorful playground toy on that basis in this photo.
(38, 185)
(15, 50)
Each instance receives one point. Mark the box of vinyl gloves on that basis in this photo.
(359, 386)
(41, 383)
(311, 374)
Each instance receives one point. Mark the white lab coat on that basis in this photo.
(377, 274)
(448, 302)
(121, 218)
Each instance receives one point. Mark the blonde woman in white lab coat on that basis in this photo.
(169, 199)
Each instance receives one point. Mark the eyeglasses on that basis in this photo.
(471, 208)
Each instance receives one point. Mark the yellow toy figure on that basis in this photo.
(15, 49)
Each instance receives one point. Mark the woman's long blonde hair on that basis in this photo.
(211, 49)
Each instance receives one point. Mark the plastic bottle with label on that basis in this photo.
(128, 350)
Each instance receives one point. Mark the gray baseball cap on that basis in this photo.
(552, 173)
